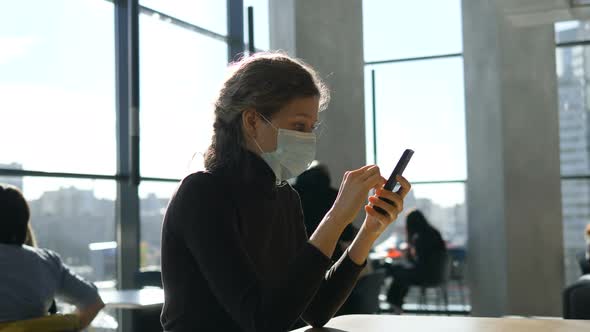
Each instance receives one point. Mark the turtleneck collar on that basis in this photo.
(253, 174)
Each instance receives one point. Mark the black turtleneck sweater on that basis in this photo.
(236, 257)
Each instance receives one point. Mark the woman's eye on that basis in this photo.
(300, 127)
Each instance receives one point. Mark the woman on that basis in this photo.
(235, 254)
(32, 277)
(426, 252)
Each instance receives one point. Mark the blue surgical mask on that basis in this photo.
(295, 152)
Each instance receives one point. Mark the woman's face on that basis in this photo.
(301, 114)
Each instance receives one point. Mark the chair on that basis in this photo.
(364, 298)
(576, 299)
(148, 278)
(438, 281)
(148, 320)
(52, 323)
(457, 258)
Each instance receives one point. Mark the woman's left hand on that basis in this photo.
(376, 222)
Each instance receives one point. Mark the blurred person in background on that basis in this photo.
(317, 197)
(425, 251)
(33, 277)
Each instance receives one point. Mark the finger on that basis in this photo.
(360, 173)
(391, 209)
(380, 184)
(405, 186)
(362, 170)
(377, 187)
(370, 172)
(392, 197)
(373, 213)
(375, 181)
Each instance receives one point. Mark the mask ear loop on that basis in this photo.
(267, 121)
(258, 145)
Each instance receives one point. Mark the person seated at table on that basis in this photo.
(32, 277)
(425, 251)
(235, 253)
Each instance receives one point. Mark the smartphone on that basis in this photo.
(392, 181)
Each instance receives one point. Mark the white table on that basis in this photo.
(145, 298)
(387, 323)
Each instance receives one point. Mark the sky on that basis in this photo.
(57, 89)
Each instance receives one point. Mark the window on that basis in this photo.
(58, 86)
(444, 204)
(420, 105)
(261, 23)
(572, 31)
(574, 132)
(58, 106)
(207, 14)
(58, 110)
(154, 201)
(180, 71)
(395, 29)
(414, 98)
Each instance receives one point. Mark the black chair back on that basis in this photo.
(576, 299)
(439, 272)
(148, 320)
(145, 278)
(457, 258)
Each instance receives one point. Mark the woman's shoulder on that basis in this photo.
(202, 181)
(33, 256)
(196, 189)
(45, 254)
(200, 177)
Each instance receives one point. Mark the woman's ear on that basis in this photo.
(249, 121)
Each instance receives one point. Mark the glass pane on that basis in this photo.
(574, 122)
(180, 73)
(395, 29)
(576, 214)
(445, 208)
(208, 14)
(57, 82)
(420, 105)
(76, 219)
(154, 200)
(261, 24)
(572, 31)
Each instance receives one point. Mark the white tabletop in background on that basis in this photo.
(144, 298)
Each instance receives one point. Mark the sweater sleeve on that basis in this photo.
(208, 221)
(334, 290)
(71, 287)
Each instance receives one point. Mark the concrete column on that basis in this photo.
(514, 201)
(328, 35)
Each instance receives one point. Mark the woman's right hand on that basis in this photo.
(354, 191)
